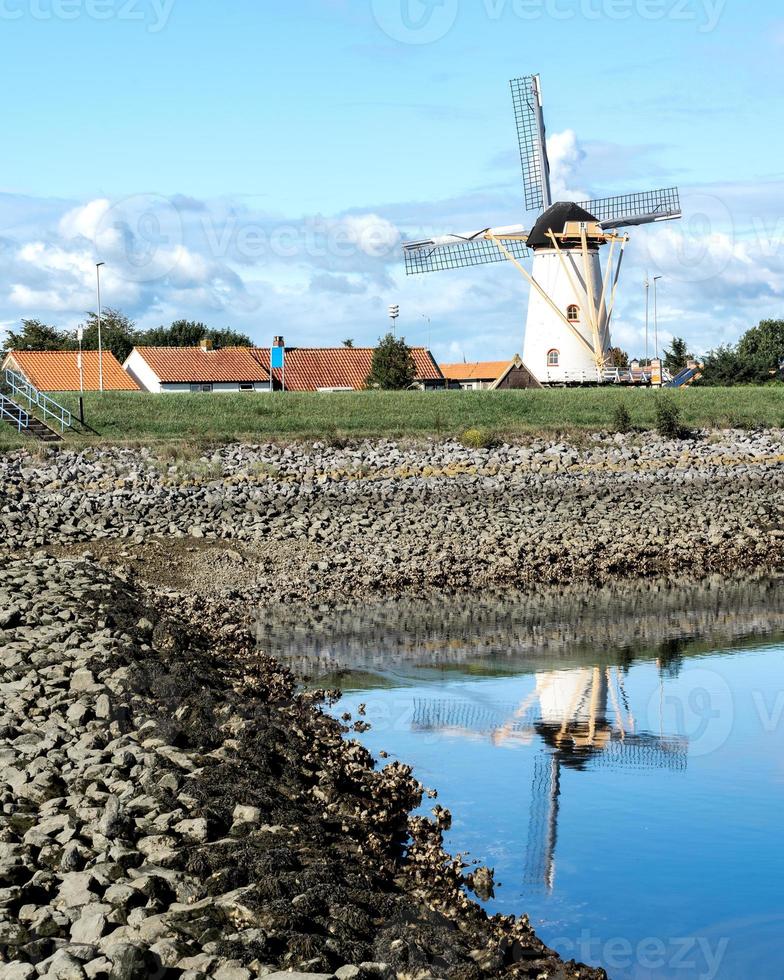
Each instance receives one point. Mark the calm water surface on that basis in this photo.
(615, 756)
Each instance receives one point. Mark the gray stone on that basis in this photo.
(91, 924)
(17, 971)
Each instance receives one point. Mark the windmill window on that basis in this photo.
(573, 313)
(553, 358)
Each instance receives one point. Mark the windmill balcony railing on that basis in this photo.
(48, 407)
(13, 413)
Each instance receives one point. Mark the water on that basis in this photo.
(616, 756)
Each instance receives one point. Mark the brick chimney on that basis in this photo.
(206, 344)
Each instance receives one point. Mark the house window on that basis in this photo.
(553, 358)
(573, 313)
(247, 386)
(201, 387)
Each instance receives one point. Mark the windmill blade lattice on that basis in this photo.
(478, 251)
(531, 140)
(635, 209)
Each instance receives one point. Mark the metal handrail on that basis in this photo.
(19, 417)
(20, 386)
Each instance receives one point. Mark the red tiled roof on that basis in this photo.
(58, 370)
(478, 371)
(192, 364)
(312, 368)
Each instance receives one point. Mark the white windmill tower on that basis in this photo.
(567, 336)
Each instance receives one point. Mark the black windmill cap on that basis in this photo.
(555, 219)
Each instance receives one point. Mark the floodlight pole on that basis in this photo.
(100, 342)
(426, 317)
(647, 316)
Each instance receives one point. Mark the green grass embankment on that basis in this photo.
(139, 417)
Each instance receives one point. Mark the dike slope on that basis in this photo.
(171, 807)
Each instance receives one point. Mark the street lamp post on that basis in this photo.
(100, 340)
(656, 329)
(647, 317)
(80, 337)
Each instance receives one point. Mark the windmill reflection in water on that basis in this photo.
(584, 720)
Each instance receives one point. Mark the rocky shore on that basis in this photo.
(171, 805)
(280, 523)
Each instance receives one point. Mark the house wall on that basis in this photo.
(517, 378)
(148, 380)
(217, 387)
(476, 384)
(141, 372)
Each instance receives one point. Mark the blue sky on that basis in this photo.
(257, 164)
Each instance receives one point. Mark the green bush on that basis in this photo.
(621, 419)
(668, 419)
(475, 438)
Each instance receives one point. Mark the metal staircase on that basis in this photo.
(22, 419)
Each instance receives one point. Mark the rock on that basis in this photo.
(245, 819)
(295, 975)
(17, 971)
(232, 971)
(75, 890)
(112, 821)
(82, 680)
(130, 962)
(91, 925)
(64, 966)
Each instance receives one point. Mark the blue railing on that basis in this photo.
(14, 413)
(22, 388)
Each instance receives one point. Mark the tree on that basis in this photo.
(118, 333)
(618, 358)
(190, 333)
(762, 348)
(756, 359)
(393, 365)
(676, 358)
(348, 343)
(722, 367)
(36, 335)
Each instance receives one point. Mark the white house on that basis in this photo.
(198, 369)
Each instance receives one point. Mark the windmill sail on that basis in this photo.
(527, 101)
(460, 251)
(636, 209)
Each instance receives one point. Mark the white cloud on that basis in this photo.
(566, 157)
(373, 235)
(320, 279)
(85, 221)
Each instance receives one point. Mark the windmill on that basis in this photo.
(567, 337)
(578, 731)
